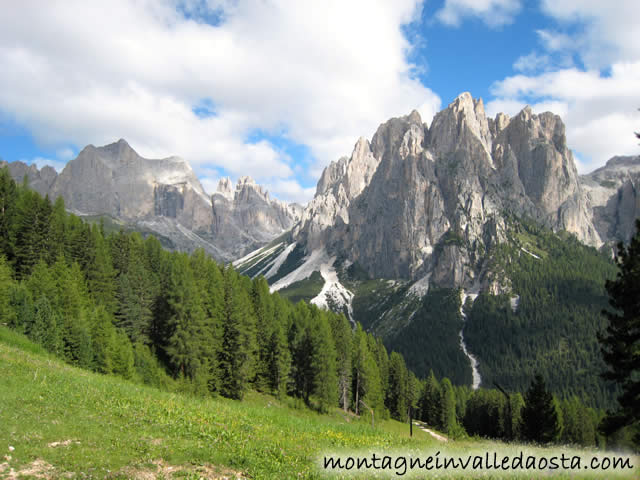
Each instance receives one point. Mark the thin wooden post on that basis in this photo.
(410, 421)
(372, 413)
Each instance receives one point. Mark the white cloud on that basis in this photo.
(65, 154)
(41, 162)
(599, 102)
(210, 184)
(532, 62)
(494, 13)
(608, 31)
(290, 189)
(556, 41)
(324, 74)
(600, 112)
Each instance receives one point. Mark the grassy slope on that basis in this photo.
(117, 427)
(110, 428)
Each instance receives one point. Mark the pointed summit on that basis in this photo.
(225, 187)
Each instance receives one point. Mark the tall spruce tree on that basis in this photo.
(448, 419)
(397, 396)
(341, 331)
(430, 401)
(323, 362)
(540, 415)
(8, 196)
(621, 342)
(238, 338)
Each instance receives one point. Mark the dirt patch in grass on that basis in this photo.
(163, 470)
(36, 469)
(65, 443)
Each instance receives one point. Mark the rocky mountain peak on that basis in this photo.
(392, 202)
(225, 188)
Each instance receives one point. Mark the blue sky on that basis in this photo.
(277, 89)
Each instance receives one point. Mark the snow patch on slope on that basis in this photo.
(333, 291)
(250, 256)
(530, 253)
(280, 259)
(312, 263)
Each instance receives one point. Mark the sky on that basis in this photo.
(277, 89)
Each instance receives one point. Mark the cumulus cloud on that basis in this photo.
(532, 62)
(80, 72)
(599, 111)
(597, 101)
(494, 13)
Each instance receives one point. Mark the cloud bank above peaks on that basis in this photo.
(199, 78)
(587, 70)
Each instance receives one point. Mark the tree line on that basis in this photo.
(118, 303)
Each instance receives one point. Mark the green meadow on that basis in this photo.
(58, 421)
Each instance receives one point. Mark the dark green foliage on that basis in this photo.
(448, 420)
(8, 196)
(341, 331)
(541, 420)
(236, 356)
(46, 329)
(431, 341)
(621, 342)
(30, 230)
(430, 404)
(486, 414)
(304, 290)
(119, 304)
(554, 328)
(398, 394)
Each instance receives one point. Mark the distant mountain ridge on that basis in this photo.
(163, 196)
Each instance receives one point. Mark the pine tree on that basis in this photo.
(46, 328)
(366, 381)
(448, 419)
(103, 338)
(279, 360)
(57, 239)
(430, 401)
(621, 342)
(135, 299)
(325, 381)
(7, 285)
(540, 416)
(397, 397)
(263, 311)
(101, 276)
(8, 196)
(341, 332)
(238, 338)
(30, 230)
(187, 321)
(210, 285)
(301, 346)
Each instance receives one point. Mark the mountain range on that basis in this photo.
(164, 197)
(404, 234)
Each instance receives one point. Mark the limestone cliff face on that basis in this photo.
(164, 196)
(612, 194)
(430, 200)
(246, 217)
(39, 180)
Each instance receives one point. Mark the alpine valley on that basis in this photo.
(470, 245)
